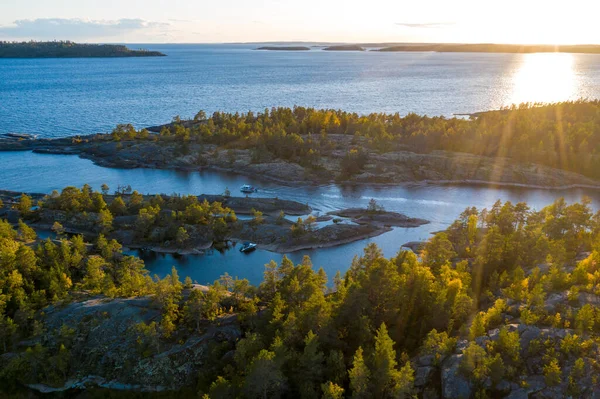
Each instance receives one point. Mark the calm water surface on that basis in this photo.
(29, 172)
(57, 97)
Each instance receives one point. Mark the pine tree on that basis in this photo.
(310, 369)
(359, 376)
(332, 391)
(25, 232)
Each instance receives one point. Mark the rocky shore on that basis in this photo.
(379, 218)
(272, 233)
(389, 168)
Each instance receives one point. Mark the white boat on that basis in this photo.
(246, 188)
(248, 247)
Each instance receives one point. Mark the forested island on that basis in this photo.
(67, 49)
(345, 47)
(494, 48)
(535, 145)
(284, 48)
(503, 303)
(192, 224)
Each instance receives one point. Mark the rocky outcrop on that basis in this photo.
(105, 346)
(529, 383)
(454, 385)
(379, 218)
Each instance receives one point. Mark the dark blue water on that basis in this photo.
(29, 172)
(57, 97)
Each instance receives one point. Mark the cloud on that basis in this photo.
(62, 28)
(425, 25)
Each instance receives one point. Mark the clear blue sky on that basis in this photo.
(203, 21)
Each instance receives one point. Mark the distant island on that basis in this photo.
(284, 48)
(345, 47)
(67, 49)
(494, 48)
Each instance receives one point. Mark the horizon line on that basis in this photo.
(366, 44)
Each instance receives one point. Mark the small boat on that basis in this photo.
(246, 188)
(248, 247)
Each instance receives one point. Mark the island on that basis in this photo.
(284, 48)
(192, 224)
(345, 47)
(68, 49)
(335, 146)
(493, 48)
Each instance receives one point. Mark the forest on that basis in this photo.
(68, 49)
(368, 333)
(562, 135)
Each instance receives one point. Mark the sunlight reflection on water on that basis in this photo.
(545, 78)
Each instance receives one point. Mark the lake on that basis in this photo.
(30, 172)
(58, 97)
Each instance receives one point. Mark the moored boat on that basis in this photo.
(248, 247)
(246, 188)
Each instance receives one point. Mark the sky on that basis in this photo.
(351, 21)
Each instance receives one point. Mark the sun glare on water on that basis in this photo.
(544, 77)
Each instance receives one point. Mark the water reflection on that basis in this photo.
(29, 172)
(545, 77)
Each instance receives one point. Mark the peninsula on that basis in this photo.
(327, 146)
(67, 49)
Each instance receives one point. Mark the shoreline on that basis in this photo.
(299, 183)
(272, 235)
(282, 249)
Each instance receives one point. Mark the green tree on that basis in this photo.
(265, 378)
(310, 370)
(257, 217)
(25, 233)
(552, 373)
(200, 116)
(58, 228)
(182, 236)
(332, 391)
(438, 251)
(360, 376)
(105, 221)
(387, 381)
(24, 205)
(118, 207)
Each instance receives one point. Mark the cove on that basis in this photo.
(30, 172)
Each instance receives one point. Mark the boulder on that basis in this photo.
(482, 341)
(426, 360)
(454, 385)
(550, 393)
(493, 334)
(462, 345)
(518, 394)
(534, 383)
(528, 334)
(423, 376)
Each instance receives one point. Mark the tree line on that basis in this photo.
(355, 337)
(562, 135)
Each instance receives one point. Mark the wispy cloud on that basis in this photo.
(63, 28)
(425, 25)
